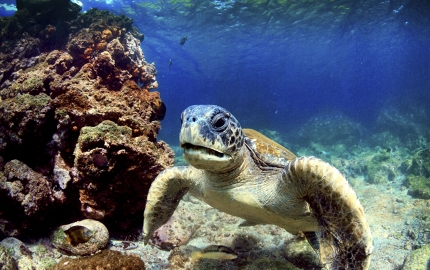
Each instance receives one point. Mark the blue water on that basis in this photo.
(277, 64)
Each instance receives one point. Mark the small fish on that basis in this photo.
(126, 245)
(100, 160)
(170, 63)
(214, 252)
(183, 40)
(78, 234)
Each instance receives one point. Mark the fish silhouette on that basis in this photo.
(183, 40)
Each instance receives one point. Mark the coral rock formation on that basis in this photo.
(62, 103)
(109, 160)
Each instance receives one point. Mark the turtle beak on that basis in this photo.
(205, 158)
(190, 149)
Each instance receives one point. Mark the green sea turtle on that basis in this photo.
(227, 171)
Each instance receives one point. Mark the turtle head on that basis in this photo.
(211, 137)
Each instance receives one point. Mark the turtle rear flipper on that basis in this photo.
(345, 241)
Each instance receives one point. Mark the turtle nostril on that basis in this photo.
(191, 119)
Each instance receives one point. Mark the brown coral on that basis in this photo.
(107, 34)
(101, 45)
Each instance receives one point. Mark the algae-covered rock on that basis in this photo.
(420, 163)
(83, 237)
(418, 170)
(418, 259)
(6, 261)
(105, 131)
(26, 124)
(419, 186)
(115, 169)
(300, 253)
(380, 169)
(20, 253)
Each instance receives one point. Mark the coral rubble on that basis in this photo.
(78, 118)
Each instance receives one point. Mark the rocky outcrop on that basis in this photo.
(78, 119)
(110, 163)
(23, 192)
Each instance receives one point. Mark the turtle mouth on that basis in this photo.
(191, 149)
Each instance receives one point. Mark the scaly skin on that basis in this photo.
(306, 195)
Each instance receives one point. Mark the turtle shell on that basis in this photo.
(268, 149)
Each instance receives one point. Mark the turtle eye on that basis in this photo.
(220, 122)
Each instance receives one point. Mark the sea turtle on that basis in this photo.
(227, 171)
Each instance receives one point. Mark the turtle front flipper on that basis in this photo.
(164, 196)
(345, 240)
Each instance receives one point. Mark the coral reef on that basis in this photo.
(66, 91)
(83, 237)
(36, 26)
(106, 259)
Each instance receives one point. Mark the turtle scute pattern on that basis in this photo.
(344, 236)
(265, 146)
